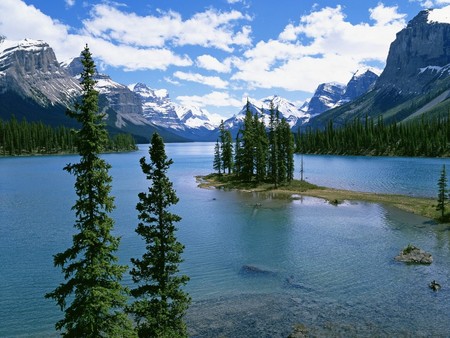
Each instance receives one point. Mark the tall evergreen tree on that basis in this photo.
(261, 148)
(442, 192)
(248, 145)
(90, 267)
(217, 164)
(226, 142)
(160, 302)
(273, 145)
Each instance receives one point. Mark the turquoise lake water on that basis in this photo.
(341, 257)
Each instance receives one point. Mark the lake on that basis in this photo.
(328, 268)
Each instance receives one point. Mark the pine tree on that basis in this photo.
(273, 145)
(90, 267)
(261, 148)
(217, 164)
(226, 142)
(442, 193)
(248, 146)
(160, 302)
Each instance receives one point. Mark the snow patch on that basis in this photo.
(430, 68)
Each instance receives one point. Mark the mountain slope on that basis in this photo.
(414, 81)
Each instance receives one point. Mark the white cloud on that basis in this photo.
(213, 81)
(333, 50)
(217, 99)
(36, 25)
(440, 15)
(386, 15)
(209, 62)
(207, 29)
(432, 3)
(70, 3)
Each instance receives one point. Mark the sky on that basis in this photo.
(214, 54)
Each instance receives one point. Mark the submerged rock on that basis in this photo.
(414, 255)
(256, 270)
(435, 286)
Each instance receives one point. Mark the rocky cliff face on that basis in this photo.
(157, 107)
(326, 97)
(417, 56)
(331, 95)
(360, 83)
(30, 69)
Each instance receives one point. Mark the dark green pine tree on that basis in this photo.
(248, 146)
(92, 288)
(442, 192)
(261, 148)
(289, 149)
(217, 164)
(226, 143)
(273, 161)
(160, 302)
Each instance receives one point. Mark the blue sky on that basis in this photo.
(215, 54)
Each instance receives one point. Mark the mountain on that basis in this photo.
(33, 85)
(414, 82)
(191, 123)
(326, 96)
(331, 95)
(293, 114)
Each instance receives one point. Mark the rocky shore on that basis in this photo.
(283, 315)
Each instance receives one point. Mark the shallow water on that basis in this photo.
(339, 260)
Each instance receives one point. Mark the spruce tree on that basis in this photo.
(442, 192)
(248, 146)
(217, 164)
(160, 302)
(92, 288)
(226, 143)
(273, 145)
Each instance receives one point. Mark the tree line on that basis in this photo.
(260, 153)
(428, 137)
(29, 138)
(92, 297)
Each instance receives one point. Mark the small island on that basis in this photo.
(417, 205)
(414, 255)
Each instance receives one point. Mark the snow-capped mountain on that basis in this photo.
(331, 95)
(157, 107)
(194, 117)
(326, 96)
(30, 69)
(288, 110)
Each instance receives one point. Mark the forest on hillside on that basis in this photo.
(428, 137)
(32, 138)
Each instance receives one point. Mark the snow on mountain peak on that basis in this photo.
(25, 44)
(161, 93)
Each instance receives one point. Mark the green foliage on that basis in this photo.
(442, 192)
(408, 249)
(423, 137)
(262, 156)
(226, 144)
(160, 302)
(217, 164)
(29, 138)
(92, 297)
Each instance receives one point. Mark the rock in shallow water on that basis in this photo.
(412, 254)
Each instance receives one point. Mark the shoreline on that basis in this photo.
(421, 206)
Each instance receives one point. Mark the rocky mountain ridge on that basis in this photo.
(414, 82)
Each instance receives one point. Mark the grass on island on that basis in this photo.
(420, 206)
